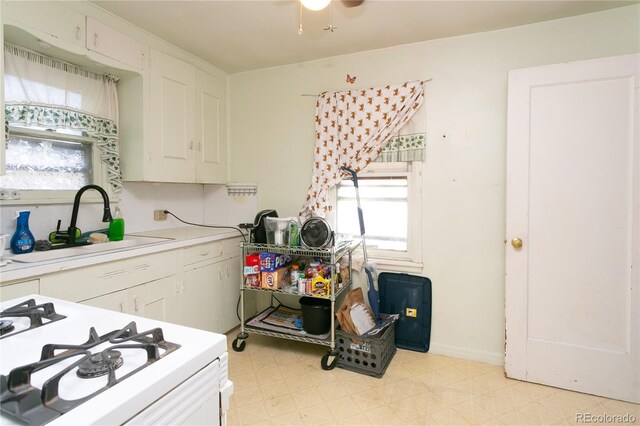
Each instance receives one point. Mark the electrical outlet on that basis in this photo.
(10, 194)
(159, 215)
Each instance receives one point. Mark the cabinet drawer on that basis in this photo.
(231, 247)
(85, 283)
(109, 42)
(60, 24)
(202, 252)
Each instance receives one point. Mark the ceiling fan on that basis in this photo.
(321, 4)
(315, 5)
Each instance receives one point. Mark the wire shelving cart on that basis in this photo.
(333, 255)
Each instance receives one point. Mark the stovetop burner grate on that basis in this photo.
(20, 399)
(38, 315)
(6, 326)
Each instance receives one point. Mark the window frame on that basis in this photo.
(53, 196)
(412, 257)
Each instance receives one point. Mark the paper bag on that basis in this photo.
(354, 297)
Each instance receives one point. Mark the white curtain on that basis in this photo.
(47, 92)
(33, 78)
(352, 129)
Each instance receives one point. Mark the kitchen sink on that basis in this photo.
(128, 243)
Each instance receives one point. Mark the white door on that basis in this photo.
(573, 195)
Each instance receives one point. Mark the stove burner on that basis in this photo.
(100, 364)
(6, 326)
(23, 401)
(38, 315)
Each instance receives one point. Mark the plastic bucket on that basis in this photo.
(316, 314)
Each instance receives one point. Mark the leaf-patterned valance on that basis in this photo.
(404, 148)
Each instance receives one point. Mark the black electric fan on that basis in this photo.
(316, 233)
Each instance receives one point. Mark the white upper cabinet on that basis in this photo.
(185, 139)
(113, 44)
(52, 22)
(172, 115)
(211, 130)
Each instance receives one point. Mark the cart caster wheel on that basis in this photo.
(329, 361)
(238, 347)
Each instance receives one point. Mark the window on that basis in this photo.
(36, 161)
(62, 129)
(50, 165)
(390, 196)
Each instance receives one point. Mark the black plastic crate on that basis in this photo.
(367, 355)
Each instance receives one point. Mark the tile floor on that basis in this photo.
(280, 382)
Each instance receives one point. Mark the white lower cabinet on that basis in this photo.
(201, 308)
(211, 286)
(142, 285)
(118, 301)
(16, 290)
(155, 300)
(230, 293)
(197, 286)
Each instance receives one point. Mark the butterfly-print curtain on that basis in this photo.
(352, 129)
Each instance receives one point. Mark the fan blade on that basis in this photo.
(352, 3)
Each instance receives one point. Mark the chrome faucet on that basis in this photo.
(106, 217)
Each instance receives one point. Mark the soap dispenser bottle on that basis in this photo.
(22, 240)
(116, 227)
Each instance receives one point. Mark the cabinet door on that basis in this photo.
(54, 22)
(2, 128)
(211, 129)
(118, 301)
(156, 300)
(201, 302)
(171, 124)
(230, 293)
(14, 291)
(113, 44)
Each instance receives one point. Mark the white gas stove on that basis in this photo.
(66, 363)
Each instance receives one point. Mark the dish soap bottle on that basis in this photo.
(116, 227)
(22, 240)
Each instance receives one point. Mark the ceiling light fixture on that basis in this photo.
(315, 4)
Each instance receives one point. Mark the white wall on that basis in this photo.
(207, 204)
(272, 137)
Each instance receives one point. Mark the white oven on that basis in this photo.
(66, 363)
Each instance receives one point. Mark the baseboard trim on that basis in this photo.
(465, 353)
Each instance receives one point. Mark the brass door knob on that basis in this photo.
(516, 242)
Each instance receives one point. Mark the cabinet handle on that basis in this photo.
(135, 303)
(121, 307)
(204, 253)
(77, 33)
(95, 40)
(191, 145)
(220, 274)
(227, 271)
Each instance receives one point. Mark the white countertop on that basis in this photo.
(173, 238)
